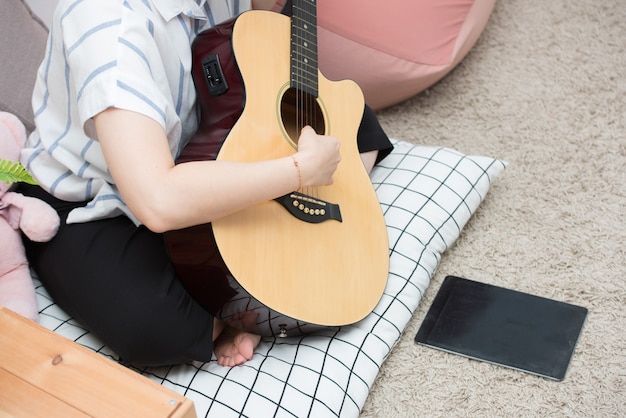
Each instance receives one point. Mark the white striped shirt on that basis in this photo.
(129, 54)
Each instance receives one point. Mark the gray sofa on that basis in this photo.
(22, 44)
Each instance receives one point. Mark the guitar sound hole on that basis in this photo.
(299, 109)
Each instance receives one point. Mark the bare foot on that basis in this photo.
(234, 346)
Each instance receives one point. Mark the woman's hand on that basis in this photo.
(318, 157)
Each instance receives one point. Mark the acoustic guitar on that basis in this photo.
(318, 255)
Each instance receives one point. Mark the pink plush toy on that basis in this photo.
(35, 218)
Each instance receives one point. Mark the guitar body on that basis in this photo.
(328, 273)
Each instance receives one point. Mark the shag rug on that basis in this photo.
(545, 90)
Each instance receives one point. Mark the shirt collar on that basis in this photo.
(169, 9)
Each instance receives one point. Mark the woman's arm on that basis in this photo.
(165, 196)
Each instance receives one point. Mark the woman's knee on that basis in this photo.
(160, 335)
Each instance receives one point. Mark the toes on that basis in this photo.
(234, 348)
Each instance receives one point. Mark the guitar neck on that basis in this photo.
(304, 63)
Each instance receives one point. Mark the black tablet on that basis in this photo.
(503, 326)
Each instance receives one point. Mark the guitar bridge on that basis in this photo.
(309, 209)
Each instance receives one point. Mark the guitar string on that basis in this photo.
(301, 110)
(297, 56)
(305, 100)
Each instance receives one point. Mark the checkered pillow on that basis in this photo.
(427, 195)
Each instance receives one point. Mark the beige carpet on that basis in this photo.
(545, 90)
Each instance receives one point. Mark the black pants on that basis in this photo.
(117, 280)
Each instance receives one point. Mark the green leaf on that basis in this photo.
(13, 172)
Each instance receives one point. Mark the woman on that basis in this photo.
(114, 105)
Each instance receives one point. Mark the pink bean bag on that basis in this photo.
(396, 48)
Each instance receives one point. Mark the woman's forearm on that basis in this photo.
(165, 196)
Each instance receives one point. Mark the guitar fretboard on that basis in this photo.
(304, 63)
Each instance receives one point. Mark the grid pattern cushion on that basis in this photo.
(427, 195)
